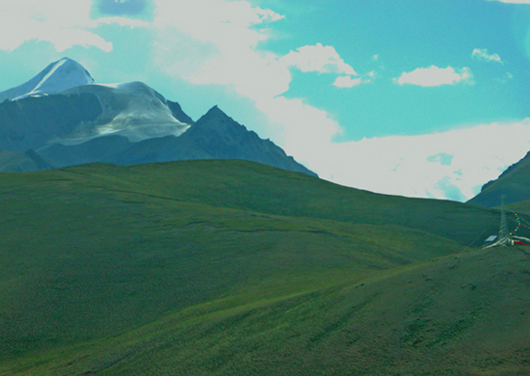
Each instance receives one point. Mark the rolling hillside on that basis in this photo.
(232, 267)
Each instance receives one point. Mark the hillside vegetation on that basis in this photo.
(231, 267)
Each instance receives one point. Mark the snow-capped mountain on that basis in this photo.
(69, 119)
(62, 104)
(56, 77)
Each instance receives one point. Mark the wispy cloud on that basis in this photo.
(482, 54)
(434, 76)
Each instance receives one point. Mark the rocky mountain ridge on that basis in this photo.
(68, 119)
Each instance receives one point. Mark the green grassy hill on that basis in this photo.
(231, 267)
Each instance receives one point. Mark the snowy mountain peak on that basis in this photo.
(58, 76)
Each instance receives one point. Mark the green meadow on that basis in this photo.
(236, 268)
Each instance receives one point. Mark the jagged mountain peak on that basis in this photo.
(216, 123)
(215, 111)
(58, 76)
(215, 117)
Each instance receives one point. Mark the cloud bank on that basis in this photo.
(452, 165)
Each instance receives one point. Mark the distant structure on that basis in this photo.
(505, 237)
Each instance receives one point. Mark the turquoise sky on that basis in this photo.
(411, 97)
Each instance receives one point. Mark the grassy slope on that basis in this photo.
(466, 314)
(249, 186)
(108, 268)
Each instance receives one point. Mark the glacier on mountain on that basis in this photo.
(133, 110)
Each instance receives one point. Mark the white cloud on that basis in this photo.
(218, 46)
(434, 76)
(317, 58)
(348, 81)
(482, 54)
